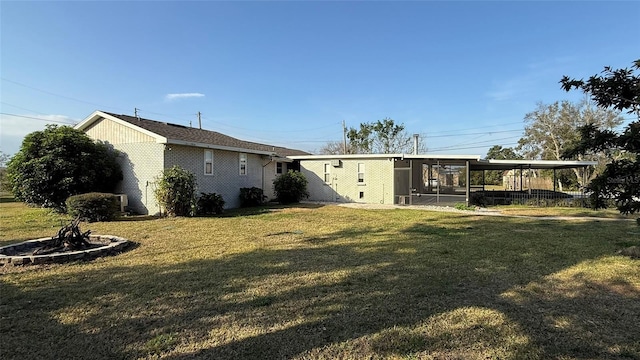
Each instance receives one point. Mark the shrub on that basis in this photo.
(176, 191)
(479, 199)
(58, 162)
(290, 187)
(253, 196)
(93, 206)
(210, 204)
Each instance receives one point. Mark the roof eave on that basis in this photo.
(218, 147)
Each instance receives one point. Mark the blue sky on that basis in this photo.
(288, 73)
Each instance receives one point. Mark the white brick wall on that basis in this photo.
(377, 187)
(141, 164)
(226, 179)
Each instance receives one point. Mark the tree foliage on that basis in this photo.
(494, 177)
(381, 137)
(620, 180)
(4, 159)
(58, 162)
(176, 191)
(332, 148)
(550, 129)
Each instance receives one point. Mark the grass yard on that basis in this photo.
(327, 282)
(523, 210)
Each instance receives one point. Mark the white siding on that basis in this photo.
(114, 133)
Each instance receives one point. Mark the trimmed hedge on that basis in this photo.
(93, 206)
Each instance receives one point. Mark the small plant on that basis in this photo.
(176, 191)
(210, 204)
(253, 196)
(290, 187)
(461, 206)
(93, 206)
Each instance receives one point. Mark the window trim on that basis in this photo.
(326, 169)
(207, 162)
(363, 172)
(242, 160)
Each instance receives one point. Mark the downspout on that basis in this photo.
(264, 166)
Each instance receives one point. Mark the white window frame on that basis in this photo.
(281, 167)
(242, 164)
(208, 161)
(361, 171)
(326, 168)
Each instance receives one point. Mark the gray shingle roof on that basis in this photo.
(189, 134)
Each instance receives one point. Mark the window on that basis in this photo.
(243, 164)
(361, 195)
(208, 162)
(361, 172)
(278, 168)
(327, 172)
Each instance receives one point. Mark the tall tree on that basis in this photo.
(332, 148)
(381, 137)
(551, 128)
(618, 89)
(494, 177)
(58, 162)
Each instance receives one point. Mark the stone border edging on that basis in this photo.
(111, 245)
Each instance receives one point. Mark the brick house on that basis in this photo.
(221, 163)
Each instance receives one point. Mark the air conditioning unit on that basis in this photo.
(122, 201)
(335, 163)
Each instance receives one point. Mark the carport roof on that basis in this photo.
(475, 161)
(493, 164)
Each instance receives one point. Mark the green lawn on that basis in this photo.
(326, 282)
(523, 210)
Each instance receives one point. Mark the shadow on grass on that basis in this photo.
(28, 327)
(266, 209)
(357, 291)
(137, 218)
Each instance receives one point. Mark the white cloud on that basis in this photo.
(171, 97)
(13, 128)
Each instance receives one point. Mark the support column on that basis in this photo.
(468, 182)
(410, 182)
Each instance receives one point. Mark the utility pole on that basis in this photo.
(344, 138)
(199, 120)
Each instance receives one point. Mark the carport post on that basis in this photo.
(554, 179)
(468, 185)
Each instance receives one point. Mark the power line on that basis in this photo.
(475, 128)
(22, 108)
(40, 119)
(480, 142)
(54, 94)
(469, 147)
(478, 133)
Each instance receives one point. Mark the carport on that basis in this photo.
(444, 179)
